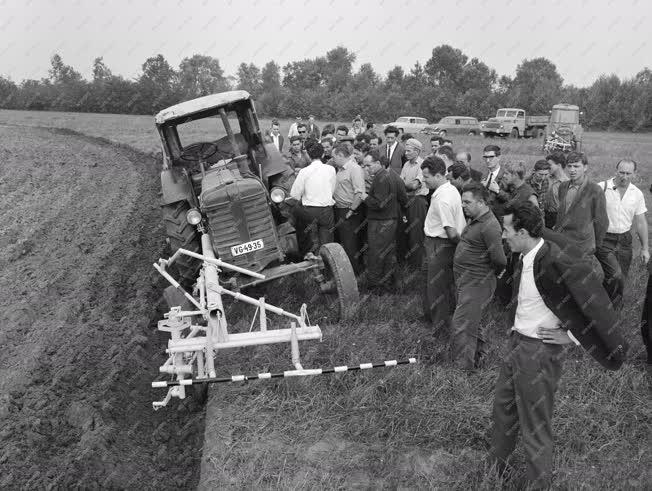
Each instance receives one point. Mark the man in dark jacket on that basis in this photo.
(385, 201)
(393, 150)
(582, 214)
(556, 300)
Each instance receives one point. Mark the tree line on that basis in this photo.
(448, 83)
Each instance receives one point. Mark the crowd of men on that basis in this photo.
(551, 244)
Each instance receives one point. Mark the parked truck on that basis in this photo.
(514, 122)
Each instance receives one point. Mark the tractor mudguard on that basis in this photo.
(175, 186)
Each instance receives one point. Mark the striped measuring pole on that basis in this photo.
(286, 374)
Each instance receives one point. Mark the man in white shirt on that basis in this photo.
(442, 228)
(275, 136)
(626, 210)
(293, 127)
(313, 188)
(552, 295)
(411, 233)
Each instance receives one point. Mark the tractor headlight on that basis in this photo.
(277, 195)
(193, 217)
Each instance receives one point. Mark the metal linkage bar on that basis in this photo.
(211, 260)
(288, 373)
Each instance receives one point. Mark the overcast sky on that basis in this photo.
(583, 38)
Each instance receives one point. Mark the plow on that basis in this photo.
(196, 335)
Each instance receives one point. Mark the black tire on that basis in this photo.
(541, 133)
(339, 270)
(443, 133)
(514, 133)
(182, 235)
(471, 133)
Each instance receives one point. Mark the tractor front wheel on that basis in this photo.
(182, 235)
(339, 272)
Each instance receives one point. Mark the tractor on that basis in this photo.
(224, 187)
(564, 130)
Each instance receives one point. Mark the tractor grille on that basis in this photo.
(243, 220)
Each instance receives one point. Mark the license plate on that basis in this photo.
(252, 246)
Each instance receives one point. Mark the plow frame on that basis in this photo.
(192, 346)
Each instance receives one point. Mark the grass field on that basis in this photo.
(423, 426)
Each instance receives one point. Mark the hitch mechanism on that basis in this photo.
(196, 335)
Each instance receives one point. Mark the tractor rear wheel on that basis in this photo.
(338, 270)
(182, 235)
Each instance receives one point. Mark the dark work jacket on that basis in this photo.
(386, 197)
(586, 220)
(573, 292)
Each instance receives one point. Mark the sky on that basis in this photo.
(583, 38)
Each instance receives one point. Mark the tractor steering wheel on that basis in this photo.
(199, 151)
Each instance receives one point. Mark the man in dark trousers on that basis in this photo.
(312, 191)
(385, 202)
(442, 227)
(348, 196)
(479, 257)
(393, 150)
(582, 214)
(556, 300)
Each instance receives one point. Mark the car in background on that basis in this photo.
(455, 125)
(409, 124)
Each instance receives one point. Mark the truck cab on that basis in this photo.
(514, 122)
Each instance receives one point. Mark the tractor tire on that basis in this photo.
(182, 235)
(339, 270)
(514, 133)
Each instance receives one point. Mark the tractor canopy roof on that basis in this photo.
(200, 107)
(567, 107)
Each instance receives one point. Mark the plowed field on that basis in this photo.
(78, 293)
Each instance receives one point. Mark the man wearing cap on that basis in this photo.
(539, 181)
(293, 127)
(412, 231)
(313, 129)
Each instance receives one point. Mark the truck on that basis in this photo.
(515, 123)
(564, 130)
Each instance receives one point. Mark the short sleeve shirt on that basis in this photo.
(445, 211)
(621, 212)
